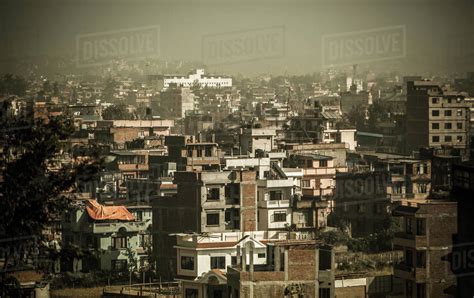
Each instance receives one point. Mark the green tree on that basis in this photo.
(117, 112)
(12, 85)
(32, 190)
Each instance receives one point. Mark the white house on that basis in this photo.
(199, 79)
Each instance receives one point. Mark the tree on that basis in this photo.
(117, 112)
(109, 89)
(12, 85)
(32, 190)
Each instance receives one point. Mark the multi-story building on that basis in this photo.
(253, 139)
(175, 102)
(201, 256)
(436, 117)
(198, 79)
(426, 241)
(275, 194)
(117, 132)
(206, 202)
(294, 268)
(120, 234)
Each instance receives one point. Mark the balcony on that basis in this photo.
(403, 271)
(274, 204)
(319, 171)
(409, 240)
(103, 227)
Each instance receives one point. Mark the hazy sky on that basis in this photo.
(438, 33)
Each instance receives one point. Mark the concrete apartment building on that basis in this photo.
(426, 241)
(436, 117)
(117, 132)
(175, 102)
(275, 194)
(200, 257)
(253, 139)
(294, 268)
(206, 202)
(110, 230)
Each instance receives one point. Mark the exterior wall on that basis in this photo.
(203, 259)
(212, 82)
(432, 271)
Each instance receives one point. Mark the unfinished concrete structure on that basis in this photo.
(294, 268)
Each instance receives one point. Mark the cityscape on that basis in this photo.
(252, 148)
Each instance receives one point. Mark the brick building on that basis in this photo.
(206, 202)
(426, 241)
(294, 268)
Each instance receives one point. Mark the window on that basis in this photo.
(459, 113)
(119, 265)
(191, 293)
(208, 152)
(422, 188)
(435, 100)
(409, 289)
(459, 139)
(139, 215)
(187, 263)
(448, 138)
(459, 125)
(323, 163)
(420, 290)
(420, 226)
(119, 242)
(145, 239)
(199, 152)
(435, 113)
(377, 208)
(261, 256)
(233, 260)
(212, 219)
(447, 113)
(305, 183)
(213, 194)
(448, 125)
(217, 262)
(190, 152)
(276, 195)
(324, 292)
(409, 258)
(408, 228)
(279, 216)
(435, 139)
(435, 125)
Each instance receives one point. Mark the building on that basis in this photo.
(118, 132)
(426, 241)
(253, 139)
(294, 268)
(175, 102)
(198, 79)
(118, 233)
(461, 261)
(436, 117)
(275, 194)
(206, 202)
(203, 260)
